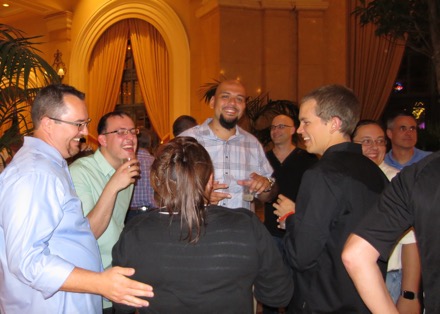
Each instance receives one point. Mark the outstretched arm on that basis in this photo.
(113, 284)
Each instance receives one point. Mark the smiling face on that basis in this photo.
(282, 135)
(316, 133)
(229, 103)
(63, 136)
(403, 132)
(116, 147)
(369, 136)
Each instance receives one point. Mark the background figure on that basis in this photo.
(104, 181)
(402, 132)
(289, 163)
(49, 258)
(183, 123)
(371, 136)
(412, 200)
(200, 258)
(333, 197)
(143, 195)
(238, 157)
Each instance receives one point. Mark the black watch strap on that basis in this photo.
(408, 295)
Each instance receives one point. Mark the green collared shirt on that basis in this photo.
(90, 175)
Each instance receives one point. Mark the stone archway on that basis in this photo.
(164, 19)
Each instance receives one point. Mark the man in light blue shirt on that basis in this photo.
(49, 258)
(239, 159)
(104, 181)
(402, 132)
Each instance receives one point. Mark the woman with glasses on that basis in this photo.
(200, 258)
(403, 274)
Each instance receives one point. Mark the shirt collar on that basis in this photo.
(40, 145)
(204, 127)
(103, 164)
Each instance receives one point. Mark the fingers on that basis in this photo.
(218, 196)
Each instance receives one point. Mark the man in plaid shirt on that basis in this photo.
(143, 195)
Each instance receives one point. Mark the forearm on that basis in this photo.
(410, 279)
(99, 217)
(360, 260)
(113, 284)
(410, 268)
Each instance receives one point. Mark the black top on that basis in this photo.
(216, 275)
(288, 176)
(334, 196)
(412, 199)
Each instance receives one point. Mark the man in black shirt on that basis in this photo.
(289, 163)
(333, 197)
(412, 200)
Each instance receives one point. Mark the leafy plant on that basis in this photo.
(23, 73)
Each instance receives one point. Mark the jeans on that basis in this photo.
(394, 283)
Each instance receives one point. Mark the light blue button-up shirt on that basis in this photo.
(234, 159)
(43, 235)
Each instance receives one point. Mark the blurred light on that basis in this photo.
(398, 87)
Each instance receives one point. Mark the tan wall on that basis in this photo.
(283, 47)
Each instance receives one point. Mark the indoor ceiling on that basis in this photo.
(20, 8)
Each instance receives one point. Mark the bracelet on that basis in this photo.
(284, 217)
(271, 182)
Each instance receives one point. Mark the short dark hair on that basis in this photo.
(50, 102)
(183, 123)
(179, 176)
(102, 124)
(392, 117)
(336, 101)
(144, 138)
(366, 122)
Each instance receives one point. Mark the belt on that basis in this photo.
(143, 208)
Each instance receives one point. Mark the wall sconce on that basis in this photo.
(59, 65)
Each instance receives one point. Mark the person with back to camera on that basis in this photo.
(200, 258)
(183, 123)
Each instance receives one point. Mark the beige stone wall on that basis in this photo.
(283, 47)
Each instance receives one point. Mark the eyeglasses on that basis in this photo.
(280, 127)
(124, 132)
(404, 128)
(371, 142)
(80, 125)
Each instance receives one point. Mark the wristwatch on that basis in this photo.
(408, 295)
(272, 182)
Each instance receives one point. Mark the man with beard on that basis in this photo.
(104, 181)
(239, 159)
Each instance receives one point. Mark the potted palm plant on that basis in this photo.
(23, 73)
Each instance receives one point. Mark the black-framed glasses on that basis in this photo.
(80, 125)
(123, 132)
(371, 142)
(280, 127)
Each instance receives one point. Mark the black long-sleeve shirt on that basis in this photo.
(235, 254)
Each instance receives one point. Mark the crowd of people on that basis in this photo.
(123, 231)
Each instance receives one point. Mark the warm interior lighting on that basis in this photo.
(59, 65)
(6, 5)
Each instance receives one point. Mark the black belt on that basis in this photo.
(143, 208)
